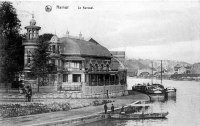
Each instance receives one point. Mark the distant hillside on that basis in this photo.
(134, 65)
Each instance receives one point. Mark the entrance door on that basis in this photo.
(76, 77)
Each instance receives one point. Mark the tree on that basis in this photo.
(2, 57)
(14, 52)
(41, 66)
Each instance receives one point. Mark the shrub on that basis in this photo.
(14, 110)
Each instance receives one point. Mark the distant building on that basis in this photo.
(84, 66)
(182, 69)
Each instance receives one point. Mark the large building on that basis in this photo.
(84, 66)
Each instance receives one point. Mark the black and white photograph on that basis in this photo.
(100, 63)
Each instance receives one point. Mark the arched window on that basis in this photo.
(29, 34)
(96, 67)
(91, 67)
(28, 56)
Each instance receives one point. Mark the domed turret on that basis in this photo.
(32, 29)
(32, 21)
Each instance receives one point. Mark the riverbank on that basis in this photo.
(63, 117)
(169, 78)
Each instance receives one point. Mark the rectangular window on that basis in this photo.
(54, 48)
(76, 77)
(65, 77)
(59, 63)
(53, 61)
(58, 48)
(86, 78)
(29, 59)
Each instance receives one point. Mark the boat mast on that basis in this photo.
(152, 73)
(161, 72)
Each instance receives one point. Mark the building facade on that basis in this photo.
(83, 66)
(182, 69)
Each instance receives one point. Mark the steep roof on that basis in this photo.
(73, 46)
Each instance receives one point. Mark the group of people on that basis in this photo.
(113, 109)
(27, 91)
(106, 108)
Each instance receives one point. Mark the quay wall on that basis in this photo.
(63, 95)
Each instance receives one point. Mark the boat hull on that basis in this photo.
(171, 93)
(139, 116)
(157, 97)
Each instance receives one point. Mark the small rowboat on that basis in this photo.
(171, 91)
(139, 116)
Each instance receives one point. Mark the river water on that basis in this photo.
(184, 109)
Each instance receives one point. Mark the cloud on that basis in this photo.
(182, 51)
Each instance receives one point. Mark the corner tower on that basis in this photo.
(30, 44)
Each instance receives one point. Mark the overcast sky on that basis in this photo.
(150, 29)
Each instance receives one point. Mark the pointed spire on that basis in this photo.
(80, 35)
(67, 33)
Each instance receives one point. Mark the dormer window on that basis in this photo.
(96, 67)
(58, 49)
(102, 66)
(91, 67)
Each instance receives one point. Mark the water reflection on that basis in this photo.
(171, 98)
(163, 98)
(108, 123)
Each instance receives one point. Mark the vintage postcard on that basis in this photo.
(100, 63)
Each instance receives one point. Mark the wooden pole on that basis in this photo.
(152, 73)
(161, 72)
(38, 83)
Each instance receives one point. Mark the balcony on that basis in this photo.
(72, 87)
(72, 69)
(29, 42)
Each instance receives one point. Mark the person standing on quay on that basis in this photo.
(105, 108)
(29, 93)
(112, 108)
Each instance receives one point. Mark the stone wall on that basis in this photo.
(103, 89)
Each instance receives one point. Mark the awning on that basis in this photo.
(102, 72)
(74, 58)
